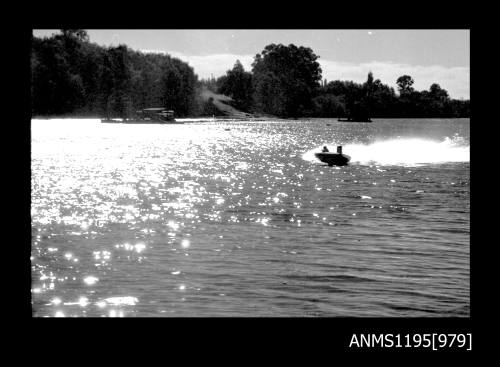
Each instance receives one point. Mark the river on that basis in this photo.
(238, 218)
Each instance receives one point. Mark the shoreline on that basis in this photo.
(249, 118)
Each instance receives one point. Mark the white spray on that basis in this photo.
(403, 151)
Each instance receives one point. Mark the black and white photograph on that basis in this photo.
(262, 173)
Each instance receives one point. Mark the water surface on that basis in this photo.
(239, 219)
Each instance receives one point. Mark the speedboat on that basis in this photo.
(337, 159)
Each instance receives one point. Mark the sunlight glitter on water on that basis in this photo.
(126, 300)
(240, 217)
(90, 280)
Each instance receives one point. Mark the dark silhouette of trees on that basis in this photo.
(56, 85)
(78, 34)
(375, 99)
(116, 82)
(383, 98)
(237, 84)
(285, 80)
(405, 83)
(329, 105)
(70, 75)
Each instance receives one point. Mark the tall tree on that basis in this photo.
(285, 79)
(237, 83)
(405, 83)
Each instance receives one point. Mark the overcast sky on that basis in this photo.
(429, 56)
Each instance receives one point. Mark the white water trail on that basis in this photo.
(403, 151)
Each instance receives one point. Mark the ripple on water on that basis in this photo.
(179, 220)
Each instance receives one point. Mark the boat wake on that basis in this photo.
(402, 152)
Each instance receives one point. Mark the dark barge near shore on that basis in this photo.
(352, 119)
(157, 115)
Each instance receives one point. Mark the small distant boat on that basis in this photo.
(331, 158)
(358, 119)
(157, 115)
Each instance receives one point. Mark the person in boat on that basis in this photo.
(325, 149)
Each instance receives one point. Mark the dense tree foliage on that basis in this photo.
(375, 99)
(285, 80)
(237, 84)
(405, 83)
(70, 75)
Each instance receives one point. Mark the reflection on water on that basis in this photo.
(197, 220)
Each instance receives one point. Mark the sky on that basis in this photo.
(428, 56)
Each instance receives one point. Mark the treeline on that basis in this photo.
(70, 75)
(286, 81)
(375, 99)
